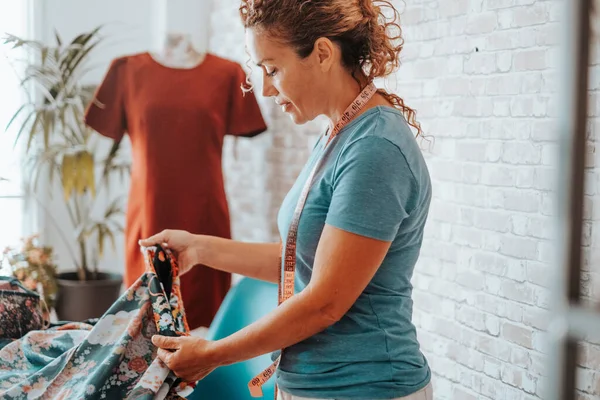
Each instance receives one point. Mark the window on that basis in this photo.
(14, 19)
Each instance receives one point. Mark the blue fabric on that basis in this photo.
(374, 183)
(108, 358)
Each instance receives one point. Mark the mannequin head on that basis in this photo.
(187, 19)
(177, 44)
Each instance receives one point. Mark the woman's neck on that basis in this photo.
(343, 92)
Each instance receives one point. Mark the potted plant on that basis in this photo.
(61, 149)
(33, 265)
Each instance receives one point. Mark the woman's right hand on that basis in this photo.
(182, 243)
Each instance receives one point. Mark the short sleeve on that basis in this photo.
(245, 118)
(106, 112)
(373, 187)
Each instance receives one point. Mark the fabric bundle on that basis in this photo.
(107, 358)
(21, 310)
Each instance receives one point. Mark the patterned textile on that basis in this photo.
(20, 309)
(108, 358)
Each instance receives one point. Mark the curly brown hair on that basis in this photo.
(370, 41)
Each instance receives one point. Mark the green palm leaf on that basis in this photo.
(60, 147)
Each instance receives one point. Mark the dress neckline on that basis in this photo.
(199, 65)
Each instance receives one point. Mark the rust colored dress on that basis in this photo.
(176, 120)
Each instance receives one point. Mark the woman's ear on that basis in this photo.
(325, 51)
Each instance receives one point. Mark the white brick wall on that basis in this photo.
(489, 102)
(482, 75)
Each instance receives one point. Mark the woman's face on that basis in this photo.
(295, 83)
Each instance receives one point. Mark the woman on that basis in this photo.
(347, 332)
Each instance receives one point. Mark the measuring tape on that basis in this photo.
(286, 290)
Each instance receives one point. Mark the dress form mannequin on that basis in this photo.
(177, 103)
(179, 52)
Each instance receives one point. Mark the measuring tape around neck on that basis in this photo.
(286, 288)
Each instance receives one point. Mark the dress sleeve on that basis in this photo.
(373, 189)
(106, 112)
(245, 118)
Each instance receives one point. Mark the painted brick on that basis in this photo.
(501, 107)
(471, 317)
(524, 178)
(491, 367)
(542, 296)
(470, 279)
(488, 263)
(529, 60)
(530, 15)
(462, 394)
(520, 357)
(512, 376)
(538, 273)
(536, 318)
(480, 63)
(519, 247)
(492, 325)
(481, 23)
(589, 356)
(588, 381)
(516, 270)
(486, 344)
(521, 153)
(496, 4)
(517, 334)
(519, 292)
(531, 83)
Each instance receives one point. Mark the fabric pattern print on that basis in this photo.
(20, 310)
(107, 358)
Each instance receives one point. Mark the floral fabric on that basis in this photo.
(108, 358)
(20, 309)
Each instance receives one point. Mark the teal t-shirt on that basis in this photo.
(375, 183)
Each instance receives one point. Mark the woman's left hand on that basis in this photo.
(190, 358)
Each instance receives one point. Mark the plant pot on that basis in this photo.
(80, 300)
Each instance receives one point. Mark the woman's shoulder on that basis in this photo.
(384, 122)
(384, 126)
(381, 134)
(381, 150)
